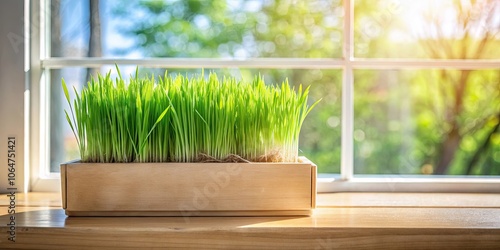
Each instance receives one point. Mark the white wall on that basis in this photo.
(12, 87)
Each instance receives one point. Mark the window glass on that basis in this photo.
(431, 121)
(444, 29)
(195, 28)
(320, 134)
(427, 122)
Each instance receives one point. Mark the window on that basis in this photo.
(410, 89)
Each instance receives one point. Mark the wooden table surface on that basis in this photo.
(342, 220)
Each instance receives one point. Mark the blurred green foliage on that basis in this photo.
(406, 122)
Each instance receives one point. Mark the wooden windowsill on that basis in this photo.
(342, 220)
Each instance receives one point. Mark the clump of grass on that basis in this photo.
(179, 119)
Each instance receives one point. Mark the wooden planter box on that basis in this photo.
(188, 189)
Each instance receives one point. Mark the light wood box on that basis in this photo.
(188, 189)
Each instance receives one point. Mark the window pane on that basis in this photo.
(320, 135)
(427, 29)
(427, 122)
(63, 145)
(194, 28)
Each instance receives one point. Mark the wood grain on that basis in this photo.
(260, 238)
(437, 224)
(38, 199)
(187, 188)
(64, 187)
(361, 218)
(200, 213)
(480, 200)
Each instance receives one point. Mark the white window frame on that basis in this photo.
(41, 63)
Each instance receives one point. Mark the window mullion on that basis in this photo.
(271, 63)
(347, 144)
(347, 157)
